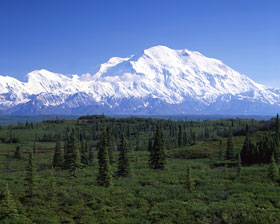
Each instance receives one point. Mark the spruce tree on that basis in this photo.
(229, 151)
(124, 169)
(104, 177)
(193, 135)
(180, 136)
(137, 146)
(226, 172)
(72, 153)
(110, 145)
(84, 153)
(34, 150)
(245, 154)
(239, 166)
(67, 156)
(52, 185)
(150, 145)
(73, 150)
(190, 182)
(185, 138)
(277, 126)
(277, 142)
(90, 157)
(158, 154)
(220, 150)
(58, 154)
(273, 172)
(8, 162)
(31, 179)
(17, 154)
(8, 205)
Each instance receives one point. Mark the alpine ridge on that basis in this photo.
(158, 80)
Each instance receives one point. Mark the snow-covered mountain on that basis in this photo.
(158, 80)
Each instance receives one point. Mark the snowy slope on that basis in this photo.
(158, 80)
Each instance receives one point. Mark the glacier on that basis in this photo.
(156, 81)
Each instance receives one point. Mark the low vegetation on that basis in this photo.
(98, 169)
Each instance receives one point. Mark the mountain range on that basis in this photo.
(158, 80)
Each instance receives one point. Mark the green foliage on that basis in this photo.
(150, 145)
(124, 167)
(220, 150)
(72, 159)
(277, 141)
(277, 133)
(84, 153)
(8, 206)
(229, 151)
(158, 154)
(58, 154)
(31, 179)
(110, 145)
(52, 189)
(147, 196)
(190, 182)
(239, 166)
(226, 176)
(273, 172)
(90, 157)
(18, 154)
(104, 177)
(180, 137)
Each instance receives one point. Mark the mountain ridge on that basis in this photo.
(158, 80)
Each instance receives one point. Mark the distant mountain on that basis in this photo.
(158, 80)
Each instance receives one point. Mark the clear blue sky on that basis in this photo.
(77, 36)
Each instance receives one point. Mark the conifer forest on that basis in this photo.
(100, 169)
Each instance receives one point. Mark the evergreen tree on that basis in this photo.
(17, 154)
(124, 169)
(229, 151)
(273, 172)
(277, 126)
(8, 206)
(58, 154)
(190, 182)
(137, 146)
(226, 172)
(90, 157)
(74, 159)
(104, 177)
(245, 154)
(110, 145)
(277, 150)
(158, 154)
(239, 166)
(67, 160)
(150, 145)
(8, 162)
(206, 133)
(277, 144)
(220, 150)
(185, 138)
(84, 153)
(34, 150)
(180, 136)
(193, 135)
(52, 185)
(31, 176)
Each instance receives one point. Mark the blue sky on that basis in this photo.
(77, 36)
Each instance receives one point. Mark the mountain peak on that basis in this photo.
(41, 73)
(158, 80)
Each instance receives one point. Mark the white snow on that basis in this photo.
(158, 72)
